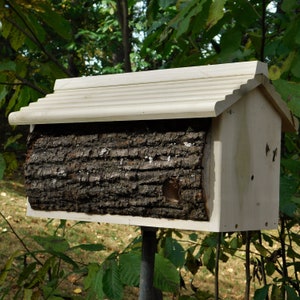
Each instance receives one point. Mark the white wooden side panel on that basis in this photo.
(125, 220)
(248, 137)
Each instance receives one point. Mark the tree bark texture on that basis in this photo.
(137, 168)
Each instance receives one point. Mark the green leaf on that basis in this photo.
(294, 105)
(270, 268)
(10, 159)
(11, 140)
(177, 233)
(65, 258)
(183, 20)
(13, 100)
(274, 72)
(112, 284)
(291, 165)
(51, 70)
(28, 294)
(7, 267)
(36, 26)
(291, 293)
(210, 240)
(89, 247)
(296, 238)
(16, 38)
(290, 92)
(56, 246)
(94, 282)
(130, 267)
(6, 29)
(262, 293)
(166, 3)
(23, 98)
(3, 93)
(93, 268)
(57, 22)
(276, 293)
(40, 275)
(26, 96)
(243, 13)
(193, 237)
(288, 187)
(234, 243)
(7, 66)
(27, 271)
(295, 68)
(2, 166)
(216, 13)
(52, 243)
(292, 253)
(261, 249)
(291, 36)
(30, 22)
(209, 259)
(49, 293)
(268, 239)
(230, 41)
(166, 276)
(296, 200)
(174, 252)
(289, 5)
(297, 37)
(192, 263)
(183, 27)
(224, 257)
(22, 66)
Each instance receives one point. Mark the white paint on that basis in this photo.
(244, 180)
(125, 220)
(241, 180)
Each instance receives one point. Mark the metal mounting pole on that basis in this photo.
(147, 290)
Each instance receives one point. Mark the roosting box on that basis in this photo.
(194, 148)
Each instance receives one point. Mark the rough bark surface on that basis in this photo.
(150, 169)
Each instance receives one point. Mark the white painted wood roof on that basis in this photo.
(191, 92)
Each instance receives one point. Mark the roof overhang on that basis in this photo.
(192, 92)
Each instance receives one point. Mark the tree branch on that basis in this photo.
(122, 11)
(297, 282)
(218, 250)
(11, 83)
(263, 30)
(26, 82)
(20, 240)
(247, 266)
(35, 39)
(262, 263)
(31, 85)
(283, 257)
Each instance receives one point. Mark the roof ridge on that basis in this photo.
(250, 68)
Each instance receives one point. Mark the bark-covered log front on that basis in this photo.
(138, 168)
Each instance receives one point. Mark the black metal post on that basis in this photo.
(147, 291)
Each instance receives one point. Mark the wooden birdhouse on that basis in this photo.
(194, 148)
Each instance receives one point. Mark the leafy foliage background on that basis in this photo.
(43, 40)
